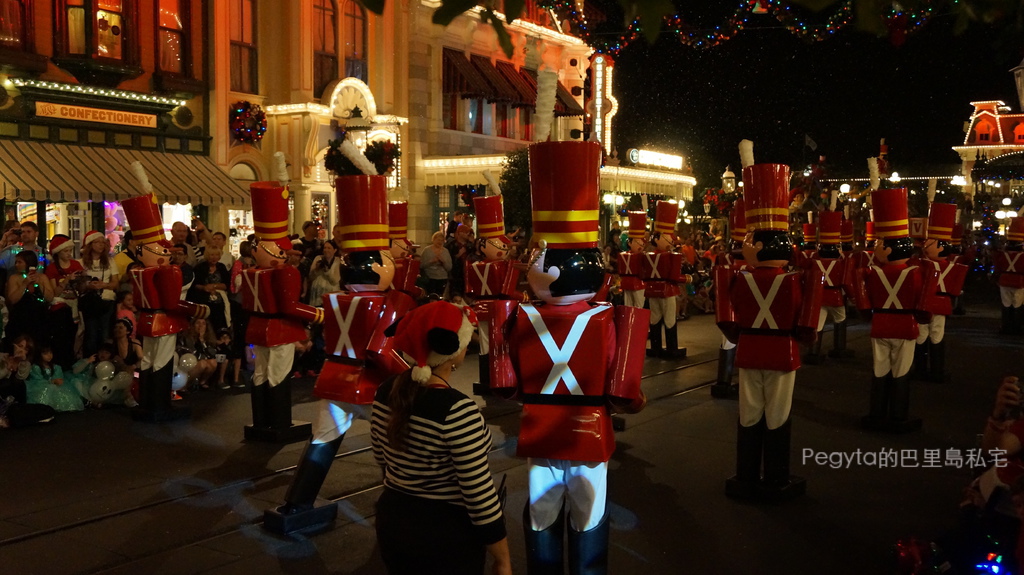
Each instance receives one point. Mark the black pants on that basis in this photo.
(423, 537)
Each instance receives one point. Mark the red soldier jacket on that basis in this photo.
(567, 364)
(407, 270)
(765, 311)
(833, 272)
(494, 280)
(895, 293)
(1010, 267)
(272, 298)
(359, 356)
(157, 292)
(949, 280)
(630, 264)
(662, 272)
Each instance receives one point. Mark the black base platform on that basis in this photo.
(299, 431)
(320, 516)
(725, 391)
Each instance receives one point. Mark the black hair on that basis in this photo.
(945, 248)
(221, 234)
(830, 251)
(902, 248)
(581, 270)
(127, 323)
(29, 257)
(358, 268)
(775, 245)
(122, 294)
(107, 347)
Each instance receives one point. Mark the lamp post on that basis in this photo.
(357, 126)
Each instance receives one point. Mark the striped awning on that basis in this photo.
(527, 92)
(565, 104)
(40, 171)
(459, 76)
(503, 91)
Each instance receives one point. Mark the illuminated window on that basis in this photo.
(355, 41)
(525, 124)
(984, 131)
(983, 137)
(12, 24)
(325, 45)
(172, 36)
(96, 28)
(244, 58)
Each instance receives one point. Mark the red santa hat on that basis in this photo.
(270, 213)
(766, 197)
(490, 217)
(637, 225)
(432, 334)
(59, 243)
(940, 221)
(398, 221)
(830, 227)
(90, 237)
(889, 211)
(564, 182)
(144, 219)
(738, 221)
(364, 218)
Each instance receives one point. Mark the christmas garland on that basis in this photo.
(248, 122)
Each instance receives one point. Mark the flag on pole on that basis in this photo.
(810, 143)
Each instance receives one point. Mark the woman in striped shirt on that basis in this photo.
(439, 512)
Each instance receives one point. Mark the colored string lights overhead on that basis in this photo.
(897, 21)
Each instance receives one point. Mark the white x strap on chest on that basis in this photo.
(141, 289)
(344, 347)
(1011, 263)
(654, 265)
(484, 288)
(827, 272)
(764, 303)
(254, 287)
(893, 291)
(942, 275)
(560, 356)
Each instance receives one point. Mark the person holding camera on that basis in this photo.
(98, 302)
(66, 276)
(28, 297)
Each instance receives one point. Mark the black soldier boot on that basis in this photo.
(878, 410)
(588, 550)
(899, 420)
(300, 510)
(920, 370)
(839, 348)
(655, 338)
(158, 407)
(723, 388)
(483, 387)
(277, 409)
(749, 447)
(672, 349)
(814, 355)
(778, 484)
(937, 359)
(544, 549)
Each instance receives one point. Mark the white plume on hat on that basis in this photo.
(746, 153)
(281, 169)
(358, 158)
(140, 175)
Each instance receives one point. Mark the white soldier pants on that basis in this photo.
(837, 314)
(768, 393)
(663, 309)
(1012, 297)
(726, 344)
(895, 355)
(157, 351)
(933, 330)
(484, 336)
(583, 483)
(273, 364)
(633, 297)
(334, 418)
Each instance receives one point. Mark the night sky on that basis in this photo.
(846, 92)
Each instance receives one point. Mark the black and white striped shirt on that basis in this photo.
(445, 457)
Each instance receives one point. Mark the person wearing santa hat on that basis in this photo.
(490, 278)
(630, 261)
(1009, 270)
(828, 259)
(766, 311)
(64, 272)
(277, 319)
(439, 506)
(359, 356)
(163, 314)
(573, 363)
(930, 351)
(403, 252)
(662, 271)
(891, 293)
(723, 388)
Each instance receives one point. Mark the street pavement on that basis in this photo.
(95, 492)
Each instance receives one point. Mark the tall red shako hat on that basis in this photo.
(1015, 233)
(941, 219)
(665, 216)
(637, 225)
(846, 233)
(810, 233)
(398, 221)
(270, 213)
(738, 221)
(564, 181)
(889, 208)
(830, 225)
(490, 217)
(364, 218)
(432, 334)
(144, 220)
(958, 234)
(869, 232)
(766, 195)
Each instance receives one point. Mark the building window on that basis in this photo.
(325, 45)
(504, 120)
(450, 111)
(476, 115)
(983, 137)
(244, 62)
(96, 28)
(12, 24)
(525, 124)
(355, 41)
(172, 38)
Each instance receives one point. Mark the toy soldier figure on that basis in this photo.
(723, 388)
(403, 253)
(631, 261)
(931, 349)
(663, 273)
(359, 355)
(808, 247)
(829, 260)
(1009, 267)
(162, 312)
(891, 293)
(572, 363)
(490, 279)
(270, 293)
(957, 255)
(765, 310)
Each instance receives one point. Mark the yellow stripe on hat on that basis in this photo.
(938, 229)
(767, 225)
(147, 231)
(569, 237)
(767, 212)
(273, 236)
(380, 228)
(496, 227)
(379, 243)
(565, 215)
(279, 224)
(893, 223)
(828, 235)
